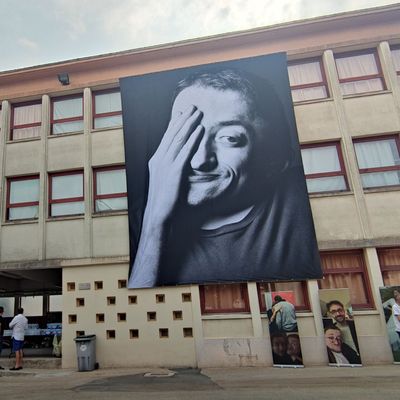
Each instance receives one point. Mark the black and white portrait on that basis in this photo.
(216, 188)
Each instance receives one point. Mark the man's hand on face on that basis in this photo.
(169, 162)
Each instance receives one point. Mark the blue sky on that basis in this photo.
(34, 32)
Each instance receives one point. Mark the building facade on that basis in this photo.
(64, 240)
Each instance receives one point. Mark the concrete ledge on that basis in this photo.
(32, 363)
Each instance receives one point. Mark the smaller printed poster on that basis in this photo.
(339, 328)
(390, 297)
(283, 330)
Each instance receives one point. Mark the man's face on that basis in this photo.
(333, 340)
(293, 348)
(279, 345)
(221, 162)
(337, 312)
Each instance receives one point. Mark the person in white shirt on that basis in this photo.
(18, 325)
(396, 311)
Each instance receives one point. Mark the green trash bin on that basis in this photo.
(86, 352)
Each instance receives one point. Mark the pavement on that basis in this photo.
(319, 383)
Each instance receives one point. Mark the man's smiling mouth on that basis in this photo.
(198, 178)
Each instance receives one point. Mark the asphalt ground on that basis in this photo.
(319, 383)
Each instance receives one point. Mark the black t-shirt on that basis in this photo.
(275, 241)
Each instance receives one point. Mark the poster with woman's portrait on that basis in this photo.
(390, 297)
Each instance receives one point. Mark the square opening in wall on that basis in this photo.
(70, 286)
(177, 314)
(151, 316)
(121, 283)
(80, 333)
(134, 333)
(98, 285)
(111, 301)
(187, 332)
(72, 318)
(163, 332)
(110, 334)
(160, 298)
(121, 317)
(132, 299)
(100, 318)
(80, 302)
(186, 297)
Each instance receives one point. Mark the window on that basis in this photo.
(346, 269)
(324, 168)
(396, 62)
(359, 72)
(299, 288)
(107, 109)
(389, 260)
(66, 194)
(110, 189)
(224, 298)
(307, 80)
(26, 120)
(32, 305)
(378, 161)
(22, 198)
(66, 114)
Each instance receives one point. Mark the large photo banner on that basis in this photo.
(283, 329)
(339, 329)
(390, 297)
(216, 188)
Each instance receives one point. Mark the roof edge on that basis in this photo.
(202, 39)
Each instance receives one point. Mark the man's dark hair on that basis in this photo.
(264, 103)
(333, 302)
(331, 326)
(20, 310)
(226, 79)
(1, 309)
(278, 335)
(278, 298)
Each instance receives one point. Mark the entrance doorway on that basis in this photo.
(38, 292)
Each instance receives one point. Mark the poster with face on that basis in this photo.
(216, 189)
(390, 297)
(283, 329)
(339, 328)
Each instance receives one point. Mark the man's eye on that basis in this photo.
(228, 139)
(231, 140)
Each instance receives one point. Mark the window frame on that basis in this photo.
(52, 201)
(22, 126)
(378, 169)
(369, 305)
(69, 119)
(379, 75)
(244, 293)
(11, 179)
(342, 171)
(106, 196)
(397, 71)
(302, 308)
(323, 83)
(106, 114)
(382, 266)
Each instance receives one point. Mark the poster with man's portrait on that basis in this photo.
(283, 329)
(340, 332)
(216, 188)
